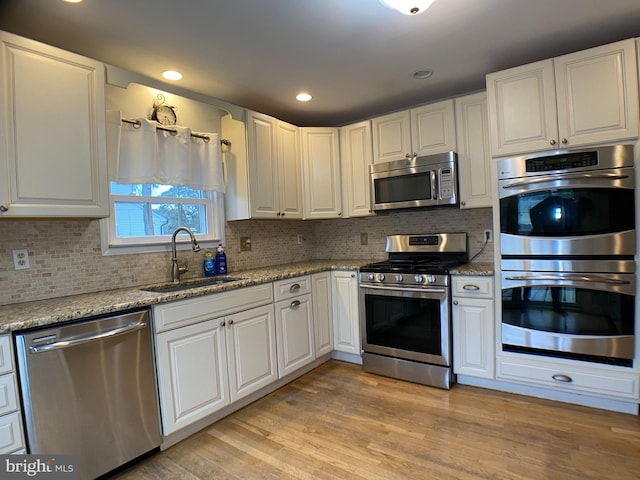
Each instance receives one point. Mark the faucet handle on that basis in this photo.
(185, 268)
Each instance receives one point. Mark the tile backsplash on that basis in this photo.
(65, 256)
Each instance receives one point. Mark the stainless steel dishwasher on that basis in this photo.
(89, 389)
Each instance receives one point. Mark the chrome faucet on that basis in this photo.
(175, 269)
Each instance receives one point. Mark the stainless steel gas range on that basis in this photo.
(405, 308)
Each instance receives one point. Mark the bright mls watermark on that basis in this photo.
(50, 467)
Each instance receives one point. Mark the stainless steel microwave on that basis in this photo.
(428, 181)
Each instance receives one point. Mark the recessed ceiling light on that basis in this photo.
(303, 97)
(73, 1)
(171, 75)
(422, 74)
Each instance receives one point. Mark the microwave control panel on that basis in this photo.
(446, 183)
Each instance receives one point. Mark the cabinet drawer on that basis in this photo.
(10, 433)
(6, 357)
(570, 379)
(194, 310)
(8, 394)
(472, 286)
(291, 287)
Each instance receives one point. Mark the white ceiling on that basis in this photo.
(355, 57)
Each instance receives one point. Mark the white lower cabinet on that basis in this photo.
(473, 326)
(211, 351)
(11, 434)
(322, 312)
(294, 331)
(346, 321)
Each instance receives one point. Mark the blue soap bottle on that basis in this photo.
(221, 261)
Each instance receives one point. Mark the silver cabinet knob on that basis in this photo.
(463, 203)
(552, 141)
(222, 324)
(564, 141)
(455, 302)
(407, 155)
(230, 322)
(3, 208)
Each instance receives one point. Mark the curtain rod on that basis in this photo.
(173, 131)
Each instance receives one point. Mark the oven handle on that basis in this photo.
(405, 289)
(570, 277)
(571, 176)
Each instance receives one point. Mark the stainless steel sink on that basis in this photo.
(187, 284)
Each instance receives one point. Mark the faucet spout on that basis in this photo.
(175, 268)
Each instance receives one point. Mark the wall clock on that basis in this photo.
(163, 113)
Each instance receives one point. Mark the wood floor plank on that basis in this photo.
(337, 422)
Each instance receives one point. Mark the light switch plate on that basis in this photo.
(21, 259)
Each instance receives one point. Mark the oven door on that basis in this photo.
(407, 323)
(580, 315)
(574, 213)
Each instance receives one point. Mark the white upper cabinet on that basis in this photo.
(53, 159)
(321, 172)
(474, 173)
(356, 156)
(274, 168)
(425, 130)
(578, 99)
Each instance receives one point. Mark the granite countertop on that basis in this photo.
(22, 316)
(40, 313)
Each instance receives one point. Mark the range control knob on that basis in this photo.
(399, 278)
(431, 278)
(418, 279)
(370, 277)
(380, 277)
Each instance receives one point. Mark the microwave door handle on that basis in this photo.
(569, 277)
(434, 184)
(571, 176)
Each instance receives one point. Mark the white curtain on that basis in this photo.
(146, 154)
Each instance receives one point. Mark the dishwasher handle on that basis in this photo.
(131, 327)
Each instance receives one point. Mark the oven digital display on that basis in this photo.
(427, 240)
(562, 162)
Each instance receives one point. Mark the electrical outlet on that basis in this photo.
(300, 239)
(21, 259)
(488, 235)
(245, 244)
(364, 238)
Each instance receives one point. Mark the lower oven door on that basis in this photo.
(407, 323)
(581, 315)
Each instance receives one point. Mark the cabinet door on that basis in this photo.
(192, 373)
(433, 128)
(251, 347)
(346, 321)
(321, 172)
(289, 170)
(356, 156)
(391, 137)
(522, 109)
(53, 161)
(294, 334)
(322, 312)
(597, 94)
(473, 337)
(263, 168)
(473, 151)
(11, 438)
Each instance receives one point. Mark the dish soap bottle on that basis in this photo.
(221, 261)
(209, 265)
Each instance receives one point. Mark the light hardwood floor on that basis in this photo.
(338, 422)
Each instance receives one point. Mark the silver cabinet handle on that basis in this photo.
(552, 142)
(4, 208)
(294, 287)
(564, 141)
(455, 302)
(470, 287)
(89, 338)
(463, 203)
(560, 377)
(230, 322)
(222, 324)
(295, 303)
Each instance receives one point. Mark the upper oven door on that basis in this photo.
(569, 213)
(408, 323)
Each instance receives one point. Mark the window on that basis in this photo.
(145, 216)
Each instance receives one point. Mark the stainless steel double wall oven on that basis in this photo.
(567, 244)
